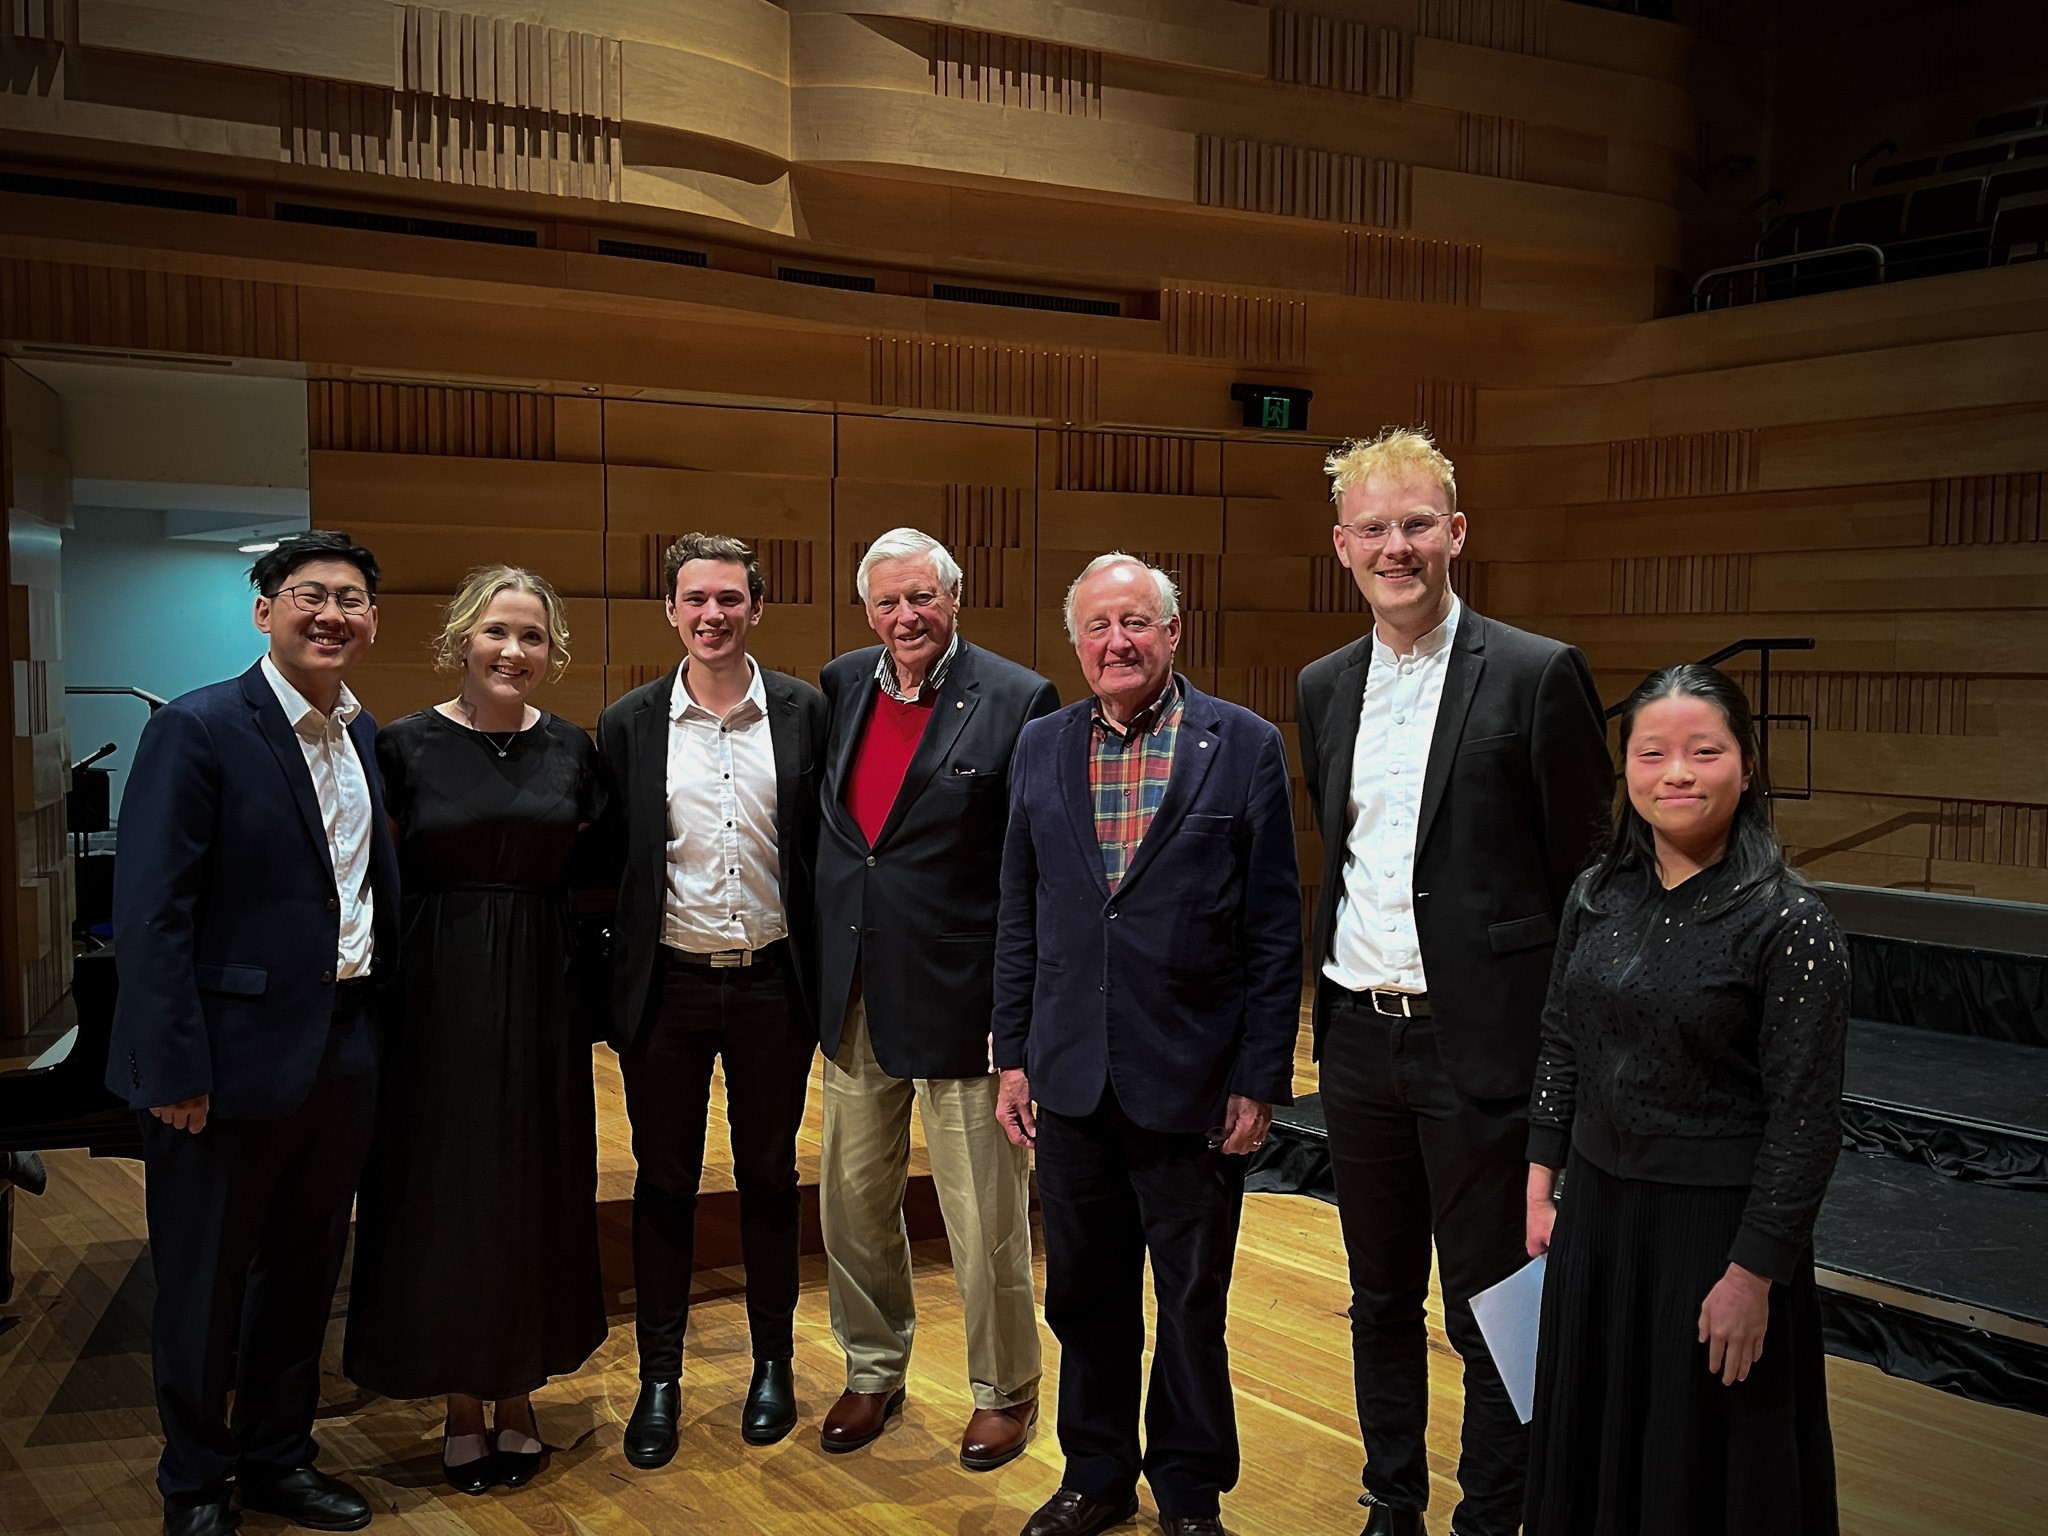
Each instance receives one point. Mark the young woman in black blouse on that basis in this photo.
(1690, 1080)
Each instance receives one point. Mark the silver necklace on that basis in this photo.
(510, 736)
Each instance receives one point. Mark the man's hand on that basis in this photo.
(185, 1115)
(1013, 1107)
(1732, 1323)
(1245, 1123)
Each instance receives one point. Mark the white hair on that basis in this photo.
(909, 544)
(1169, 594)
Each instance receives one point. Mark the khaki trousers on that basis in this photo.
(983, 1184)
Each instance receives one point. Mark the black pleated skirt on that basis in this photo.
(1632, 1436)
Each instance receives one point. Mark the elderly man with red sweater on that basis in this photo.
(917, 777)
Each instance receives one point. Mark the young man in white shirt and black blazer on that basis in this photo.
(714, 775)
(1459, 772)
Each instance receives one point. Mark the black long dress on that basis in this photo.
(476, 1265)
(1690, 1081)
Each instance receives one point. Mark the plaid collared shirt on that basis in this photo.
(1127, 774)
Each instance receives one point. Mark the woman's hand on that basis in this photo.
(1732, 1323)
(1541, 1215)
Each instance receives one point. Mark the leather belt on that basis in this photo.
(728, 959)
(1390, 1004)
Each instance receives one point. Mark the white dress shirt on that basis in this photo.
(724, 886)
(344, 795)
(1375, 945)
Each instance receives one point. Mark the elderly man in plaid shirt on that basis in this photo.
(1148, 985)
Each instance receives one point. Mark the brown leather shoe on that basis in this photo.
(997, 1435)
(858, 1418)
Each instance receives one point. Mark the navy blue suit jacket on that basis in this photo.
(1184, 985)
(226, 913)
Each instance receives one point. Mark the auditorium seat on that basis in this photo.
(1905, 170)
(2021, 230)
(2012, 121)
(1872, 219)
(1944, 209)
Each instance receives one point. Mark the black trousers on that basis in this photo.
(247, 1224)
(1113, 1194)
(1412, 1159)
(747, 1015)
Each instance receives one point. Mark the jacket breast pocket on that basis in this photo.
(1521, 933)
(1480, 744)
(232, 980)
(1209, 826)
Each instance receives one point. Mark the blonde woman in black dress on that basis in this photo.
(476, 1268)
(1690, 1081)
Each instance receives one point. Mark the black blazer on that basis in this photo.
(915, 915)
(1183, 986)
(1517, 792)
(632, 739)
(226, 913)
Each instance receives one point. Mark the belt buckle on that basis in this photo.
(1401, 1012)
(727, 959)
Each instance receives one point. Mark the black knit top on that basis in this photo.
(1706, 1050)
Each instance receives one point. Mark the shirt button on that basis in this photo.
(1393, 767)
(1399, 718)
(871, 861)
(333, 905)
(326, 978)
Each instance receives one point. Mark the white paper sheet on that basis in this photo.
(1508, 1314)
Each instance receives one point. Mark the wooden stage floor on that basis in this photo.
(78, 1431)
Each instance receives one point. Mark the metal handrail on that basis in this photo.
(1791, 259)
(1764, 716)
(150, 699)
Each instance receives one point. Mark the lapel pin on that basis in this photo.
(959, 703)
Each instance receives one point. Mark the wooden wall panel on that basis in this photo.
(147, 310)
(1333, 54)
(36, 901)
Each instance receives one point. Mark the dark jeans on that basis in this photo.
(247, 1223)
(1412, 1159)
(1112, 1194)
(747, 1015)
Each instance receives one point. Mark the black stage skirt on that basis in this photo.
(1632, 1436)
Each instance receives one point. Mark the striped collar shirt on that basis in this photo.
(885, 673)
(1128, 771)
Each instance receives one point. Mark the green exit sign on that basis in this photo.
(1273, 407)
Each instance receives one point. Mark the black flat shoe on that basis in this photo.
(475, 1475)
(651, 1435)
(308, 1497)
(210, 1519)
(770, 1413)
(517, 1468)
(1384, 1521)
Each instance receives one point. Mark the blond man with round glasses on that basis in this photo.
(1458, 769)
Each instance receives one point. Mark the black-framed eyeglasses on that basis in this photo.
(1415, 527)
(312, 597)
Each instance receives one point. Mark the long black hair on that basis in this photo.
(1753, 860)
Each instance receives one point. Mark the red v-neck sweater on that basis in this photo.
(883, 758)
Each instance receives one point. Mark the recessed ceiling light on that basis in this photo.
(261, 547)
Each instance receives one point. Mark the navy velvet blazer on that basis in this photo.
(226, 914)
(1182, 987)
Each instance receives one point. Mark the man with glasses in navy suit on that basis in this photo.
(255, 917)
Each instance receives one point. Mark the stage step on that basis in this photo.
(1968, 1107)
(1936, 1279)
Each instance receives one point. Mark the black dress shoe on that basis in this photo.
(211, 1519)
(771, 1403)
(651, 1431)
(1193, 1525)
(307, 1497)
(1068, 1513)
(1387, 1521)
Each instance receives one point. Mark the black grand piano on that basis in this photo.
(65, 1103)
